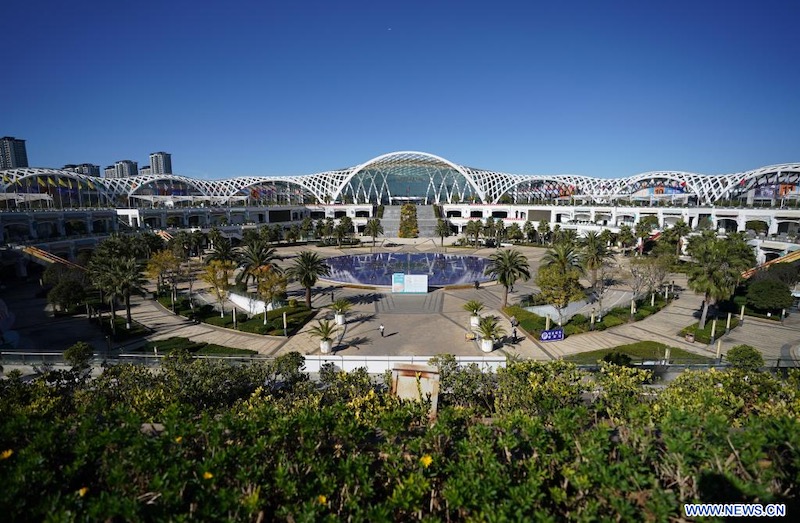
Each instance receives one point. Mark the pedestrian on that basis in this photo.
(514, 334)
(381, 329)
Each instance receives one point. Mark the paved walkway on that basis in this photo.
(421, 325)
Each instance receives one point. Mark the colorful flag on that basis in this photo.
(90, 184)
(69, 183)
(51, 181)
(42, 183)
(62, 182)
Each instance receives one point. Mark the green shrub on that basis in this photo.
(618, 358)
(79, 354)
(611, 321)
(745, 357)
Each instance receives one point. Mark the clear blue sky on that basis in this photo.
(599, 88)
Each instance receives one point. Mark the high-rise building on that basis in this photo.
(145, 170)
(84, 168)
(12, 153)
(160, 163)
(121, 169)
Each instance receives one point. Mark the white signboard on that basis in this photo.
(409, 283)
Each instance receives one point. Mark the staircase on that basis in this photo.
(391, 221)
(426, 221)
(787, 258)
(47, 258)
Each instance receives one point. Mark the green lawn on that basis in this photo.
(193, 347)
(640, 351)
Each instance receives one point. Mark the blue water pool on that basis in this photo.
(377, 269)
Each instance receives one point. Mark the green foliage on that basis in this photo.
(79, 354)
(176, 344)
(208, 441)
(474, 307)
(769, 295)
(745, 357)
(617, 358)
(704, 335)
(408, 221)
(640, 351)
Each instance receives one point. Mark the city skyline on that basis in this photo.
(302, 88)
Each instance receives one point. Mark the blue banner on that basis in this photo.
(552, 335)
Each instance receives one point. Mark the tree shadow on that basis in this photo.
(366, 298)
(355, 343)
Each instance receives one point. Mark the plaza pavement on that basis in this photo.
(417, 325)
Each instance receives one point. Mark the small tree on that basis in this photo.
(769, 295)
(745, 357)
(79, 355)
(489, 328)
(442, 230)
(559, 287)
(217, 275)
(474, 307)
(324, 330)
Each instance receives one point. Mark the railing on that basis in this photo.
(373, 364)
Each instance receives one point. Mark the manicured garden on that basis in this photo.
(641, 351)
(297, 315)
(207, 441)
(534, 324)
(199, 348)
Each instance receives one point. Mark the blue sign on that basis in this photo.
(552, 335)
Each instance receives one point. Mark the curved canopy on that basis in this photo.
(399, 176)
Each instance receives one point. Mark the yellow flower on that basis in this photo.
(322, 500)
(207, 475)
(178, 439)
(82, 491)
(6, 454)
(426, 460)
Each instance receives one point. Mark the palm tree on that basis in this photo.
(306, 269)
(514, 233)
(568, 236)
(680, 230)
(595, 254)
(306, 227)
(544, 231)
(373, 228)
(473, 228)
(717, 267)
(223, 251)
(489, 228)
(528, 230)
(508, 266)
(255, 254)
(474, 306)
(625, 236)
(564, 256)
(324, 330)
(117, 277)
(443, 230)
(196, 241)
(128, 279)
(489, 329)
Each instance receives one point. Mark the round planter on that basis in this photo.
(339, 318)
(474, 321)
(487, 345)
(325, 346)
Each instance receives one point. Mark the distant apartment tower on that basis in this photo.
(12, 153)
(121, 169)
(160, 163)
(145, 170)
(84, 168)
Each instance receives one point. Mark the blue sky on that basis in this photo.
(599, 88)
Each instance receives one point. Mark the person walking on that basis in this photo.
(514, 334)
(381, 329)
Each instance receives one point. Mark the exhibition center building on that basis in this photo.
(48, 205)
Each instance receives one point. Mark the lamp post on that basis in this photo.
(591, 325)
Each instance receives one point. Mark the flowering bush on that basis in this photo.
(209, 441)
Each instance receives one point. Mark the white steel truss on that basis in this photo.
(372, 181)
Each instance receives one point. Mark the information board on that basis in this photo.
(409, 283)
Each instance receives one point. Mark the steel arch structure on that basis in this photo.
(377, 179)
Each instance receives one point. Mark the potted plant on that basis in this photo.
(475, 307)
(489, 329)
(324, 330)
(340, 308)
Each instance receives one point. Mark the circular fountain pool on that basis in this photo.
(377, 269)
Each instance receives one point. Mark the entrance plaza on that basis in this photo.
(415, 325)
(436, 323)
